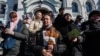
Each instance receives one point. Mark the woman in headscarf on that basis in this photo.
(14, 36)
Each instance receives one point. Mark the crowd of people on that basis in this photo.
(43, 35)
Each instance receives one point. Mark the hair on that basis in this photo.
(52, 32)
(27, 13)
(48, 14)
(13, 14)
(34, 16)
(67, 14)
(61, 9)
(51, 13)
(79, 17)
(37, 12)
(93, 13)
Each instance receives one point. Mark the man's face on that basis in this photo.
(47, 20)
(61, 11)
(95, 18)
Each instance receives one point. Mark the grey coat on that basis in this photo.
(20, 37)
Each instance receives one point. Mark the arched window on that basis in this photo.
(74, 7)
(2, 8)
(15, 7)
(88, 6)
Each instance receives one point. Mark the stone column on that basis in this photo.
(20, 9)
(68, 8)
(97, 4)
(83, 11)
(9, 8)
(64, 4)
(0, 8)
(57, 6)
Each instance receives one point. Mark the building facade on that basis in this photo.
(75, 7)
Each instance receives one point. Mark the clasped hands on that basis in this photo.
(48, 52)
(8, 31)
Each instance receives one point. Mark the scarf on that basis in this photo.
(9, 42)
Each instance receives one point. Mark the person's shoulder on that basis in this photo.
(86, 23)
(32, 22)
(20, 22)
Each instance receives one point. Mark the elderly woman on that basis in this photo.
(36, 24)
(14, 35)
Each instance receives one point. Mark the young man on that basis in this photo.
(91, 29)
(59, 19)
(48, 40)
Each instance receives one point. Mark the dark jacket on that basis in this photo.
(73, 48)
(91, 38)
(58, 22)
(59, 48)
(89, 25)
(91, 44)
(20, 37)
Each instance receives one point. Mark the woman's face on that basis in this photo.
(13, 19)
(68, 17)
(47, 20)
(39, 15)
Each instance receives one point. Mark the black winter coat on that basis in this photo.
(37, 45)
(73, 48)
(91, 38)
